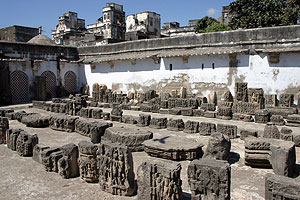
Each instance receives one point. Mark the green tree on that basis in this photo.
(216, 27)
(203, 23)
(264, 13)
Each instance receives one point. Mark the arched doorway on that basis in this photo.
(70, 82)
(19, 87)
(50, 84)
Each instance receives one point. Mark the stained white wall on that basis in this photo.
(254, 69)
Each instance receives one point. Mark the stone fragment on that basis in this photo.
(25, 144)
(115, 164)
(11, 138)
(242, 117)
(286, 100)
(68, 165)
(229, 130)
(183, 92)
(150, 94)
(282, 111)
(86, 112)
(296, 138)
(4, 112)
(170, 148)
(224, 113)
(63, 123)
(281, 187)
(208, 107)
(116, 114)
(247, 133)
(144, 120)
(283, 158)
(271, 100)
(227, 97)
(271, 131)
(146, 108)
(164, 104)
(130, 137)
(175, 125)
(286, 134)
(175, 111)
(277, 120)
(246, 108)
(155, 108)
(213, 99)
(191, 127)
(209, 179)
(128, 119)
(218, 147)
(4, 126)
(90, 128)
(97, 113)
(164, 111)
(106, 116)
(256, 95)
(206, 128)
(187, 112)
(36, 121)
(262, 116)
(37, 152)
(293, 120)
(198, 112)
(87, 162)
(158, 123)
(241, 92)
(159, 179)
(210, 114)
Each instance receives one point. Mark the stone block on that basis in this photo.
(209, 179)
(293, 120)
(245, 108)
(36, 121)
(164, 111)
(210, 114)
(116, 174)
(4, 126)
(164, 104)
(224, 113)
(86, 112)
(271, 131)
(191, 127)
(106, 116)
(130, 137)
(286, 100)
(136, 108)
(88, 162)
(241, 92)
(218, 147)
(187, 111)
(175, 125)
(198, 112)
(201, 100)
(158, 123)
(229, 130)
(159, 179)
(11, 138)
(283, 158)
(286, 134)
(4, 112)
(247, 133)
(242, 117)
(296, 138)
(206, 128)
(262, 116)
(281, 187)
(63, 123)
(68, 164)
(208, 107)
(144, 120)
(169, 148)
(62, 108)
(282, 111)
(256, 95)
(93, 129)
(155, 108)
(128, 119)
(271, 100)
(175, 111)
(37, 152)
(25, 144)
(50, 157)
(277, 120)
(227, 97)
(38, 104)
(145, 108)
(97, 113)
(150, 95)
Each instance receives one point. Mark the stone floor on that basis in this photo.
(23, 178)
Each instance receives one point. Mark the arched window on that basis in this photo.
(70, 82)
(19, 87)
(50, 83)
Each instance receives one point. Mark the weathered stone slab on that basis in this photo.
(116, 114)
(209, 179)
(229, 130)
(158, 123)
(286, 134)
(241, 92)
(115, 164)
(210, 114)
(271, 100)
(187, 111)
(198, 112)
(271, 131)
(97, 113)
(130, 137)
(63, 123)
(208, 107)
(145, 108)
(175, 111)
(36, 121)
(175, 125)
(247, 133)
(164, 111)
(128, 119)
(11, 138)
(68, 165)
(283, 158)
(144, 120)
(218, 147)
(50, 157)
(286, 100)
(38, 104)
(281, 187)
(159, 179)
(282, 111)
(262, 116)
(4, 112)
(155, 108)
(277, 120)
(256, 95)
(170, 148)
(37, 152)
(245, 108)
(296, 138)
(206, 128)
(106, 116)
(4, 126)
(87, 162)
(191, 127)
(224, 113)
(19, 115)
(293, 120)
(25, 144)
(242, 117)
(86, 112)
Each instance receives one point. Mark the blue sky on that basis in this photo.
(35, 13)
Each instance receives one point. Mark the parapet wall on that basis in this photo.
(236, 37)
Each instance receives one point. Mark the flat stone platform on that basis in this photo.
(23, 178)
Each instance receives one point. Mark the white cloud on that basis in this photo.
(212, 11)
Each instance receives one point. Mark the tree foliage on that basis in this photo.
(216, 27)
(264, 13)
(203, 23)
